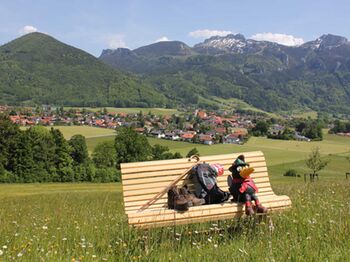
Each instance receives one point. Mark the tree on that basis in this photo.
(192, 152)
(8, 133)
(63, 160)
(131, 147)
(160, 152)
(261, 128)
(315, 163)
(79, 151)
(21, 161)
(43, 149)
(104, 154)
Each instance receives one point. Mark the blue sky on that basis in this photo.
(95, 25)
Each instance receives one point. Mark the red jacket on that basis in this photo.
(245, 183)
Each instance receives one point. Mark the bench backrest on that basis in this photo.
(143, 180)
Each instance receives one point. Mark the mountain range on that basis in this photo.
(38, 69)
(269, 76)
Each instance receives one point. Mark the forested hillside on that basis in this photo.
(272, 77)
(36, 68)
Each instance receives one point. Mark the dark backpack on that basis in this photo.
(206, 187)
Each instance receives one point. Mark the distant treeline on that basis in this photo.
(41, 155)
(340, 127)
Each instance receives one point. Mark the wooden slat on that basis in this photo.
(179, 168)
(146, 190)
(265, 188)
(223, 184)
(258, 168)
(201, 214)
(223, 207)
(133, 165)
(133, 209)
(255, 176)
(200, 220)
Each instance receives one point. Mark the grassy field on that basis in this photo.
(87, 131)
(85, 222)
(156, 111)
(280, 155)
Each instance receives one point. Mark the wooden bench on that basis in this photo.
(143, 180)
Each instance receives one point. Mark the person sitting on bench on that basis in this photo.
(203, 177)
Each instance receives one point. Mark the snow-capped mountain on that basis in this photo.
(326, 42)
(231, 43)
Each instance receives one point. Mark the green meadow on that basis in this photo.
(280, 155)
(87, 131)
(131, 110)
(86, 222)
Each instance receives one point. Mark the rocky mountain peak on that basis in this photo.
(118, 51)
(327, 41)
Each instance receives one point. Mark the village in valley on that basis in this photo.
(194, 126)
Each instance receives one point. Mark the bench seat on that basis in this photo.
(141, 181)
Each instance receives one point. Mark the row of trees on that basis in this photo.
(340, 127)
(41, 155)
(309, 128)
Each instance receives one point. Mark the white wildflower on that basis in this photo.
(44, 227)
(20, 254)
(1, 252)
(64, 239)
(93, 256)
(4, 247)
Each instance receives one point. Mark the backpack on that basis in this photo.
(204, 179)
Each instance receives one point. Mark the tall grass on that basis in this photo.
(61, 225)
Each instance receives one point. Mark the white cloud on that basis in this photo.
(28, 29)
(206, 33)
(162, 39)
(282, 39)
(115, 41)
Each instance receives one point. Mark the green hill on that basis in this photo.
(37, 68)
